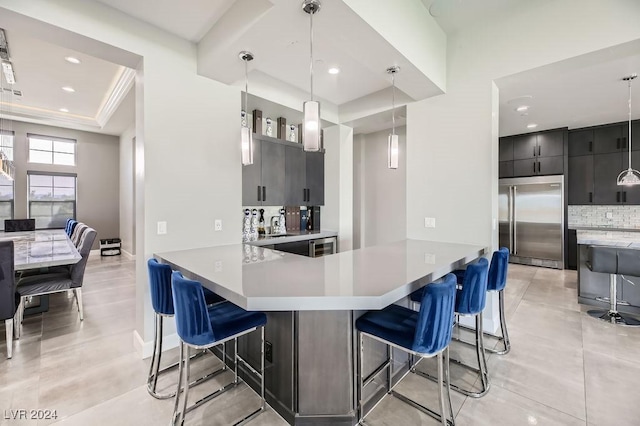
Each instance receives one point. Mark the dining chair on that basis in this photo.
(9, 300)
(58, 281)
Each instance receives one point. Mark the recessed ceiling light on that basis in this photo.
(522, 108)
(334, 70)
(68, 89)
(532, 126)
(72, 60)
(64, 110)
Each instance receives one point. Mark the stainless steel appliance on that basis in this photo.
(322, 247)
(531, 220)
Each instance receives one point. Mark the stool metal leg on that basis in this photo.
(612, 315)
(177, 415)
(186, 384)
(390, 369)
(447, 380)
(503, 329)
(360, 377)
(443, 417)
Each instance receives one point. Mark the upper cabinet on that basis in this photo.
(580, 142)
(533, 154)
(282, 174)
(610, 139)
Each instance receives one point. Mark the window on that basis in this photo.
(6, 143)
(50, 150)
(6, 200)
(52, 198)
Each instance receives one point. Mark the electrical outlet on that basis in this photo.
(218, 225)
(609, 215)
(268, 351)
(429, 259)
(429, 222)
(218, 266)
(162, 228)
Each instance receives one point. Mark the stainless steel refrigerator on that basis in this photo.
(531, 220)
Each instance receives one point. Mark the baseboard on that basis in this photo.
(128, 255)
(145, 349)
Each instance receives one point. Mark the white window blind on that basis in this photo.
(52, 199)
(52, 150)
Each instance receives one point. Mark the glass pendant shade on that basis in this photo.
(393, 152)
(311, 126)
(629, 177)
(246, 138)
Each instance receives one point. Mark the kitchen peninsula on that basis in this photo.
(593, 285)
(311, 305)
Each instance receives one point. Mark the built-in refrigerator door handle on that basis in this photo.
(515, 221)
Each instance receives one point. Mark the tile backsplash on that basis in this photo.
(597, 216)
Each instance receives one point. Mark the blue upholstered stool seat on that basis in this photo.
(227, 320)
(394, 323)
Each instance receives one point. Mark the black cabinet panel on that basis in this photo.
(295, 176)
(252, 178)
(525, 168)
(631, 194)
(635, 135)
(525, 147)
(606, 168)
(273, 172)
(607, 139)
(506, 149)
(550, 144)
(315, 178)
(580, 142)
(506, 169)
(572, 250)
(550, 165)
(580, 180)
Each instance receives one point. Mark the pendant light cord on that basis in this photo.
(629, 124)
(311, 50)
(393, 103)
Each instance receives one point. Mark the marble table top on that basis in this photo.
(257, 278)
(40, 249)
(629, 239)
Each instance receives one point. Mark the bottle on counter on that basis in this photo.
(246, 225)
(254, 225)
(261, 222)
(282, 222)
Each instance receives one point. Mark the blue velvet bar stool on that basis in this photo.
(202, 327)
(162, 302)
(470, 301)
(496, 282)
(425, 334)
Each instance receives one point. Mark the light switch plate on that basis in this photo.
(609, 215)
(218, 225)
(162, 228)
(429, 222)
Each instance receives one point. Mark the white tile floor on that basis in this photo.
(565, 368)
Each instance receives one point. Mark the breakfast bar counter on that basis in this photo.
(311, 306)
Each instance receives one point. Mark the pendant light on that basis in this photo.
(7, 168)
(246, 136)
(630, 176)
(311, 108)
(393, 138)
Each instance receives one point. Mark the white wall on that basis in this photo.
(384, 208)
(452, 139)
(97, 201)
(358, 191)
(127, 190)
(188, 170)
(337, 213)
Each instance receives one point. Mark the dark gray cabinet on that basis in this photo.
(295, 176)
(635, 135)
(252, 178)
(550, 144)
(315, 178)
(505, 169)
(609, 139)
(550, 165)
(606, 168)
(506, 149)
(580, 180)
(523, 168)
(580, 142)
(525, 147)
(282, 174)
(630, 194)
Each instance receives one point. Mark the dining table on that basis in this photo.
(40, 249)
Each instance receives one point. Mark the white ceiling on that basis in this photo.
(579, 92)
(189, 19)
(41, 71)
(454, 15)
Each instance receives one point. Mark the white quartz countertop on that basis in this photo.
(292, 236)
(257, 278)
(43, 248)
(609, 238)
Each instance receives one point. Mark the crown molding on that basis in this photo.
(120, 90)
(26, 113)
